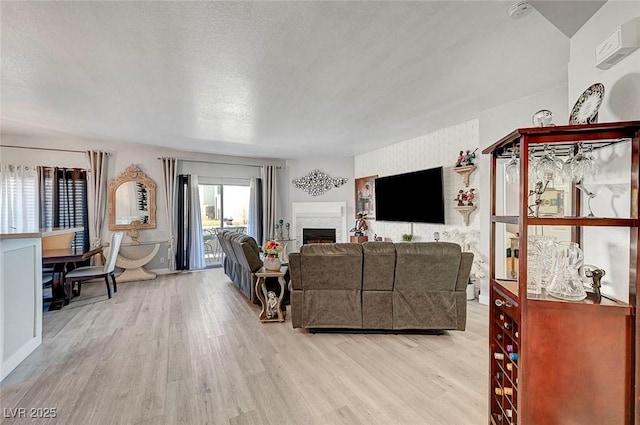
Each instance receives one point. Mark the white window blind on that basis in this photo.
(19, 209)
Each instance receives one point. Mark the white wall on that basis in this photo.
(498, 122)
(606, 247)
(334, 167)
(440, 148)
(622, 81)
(123, 155)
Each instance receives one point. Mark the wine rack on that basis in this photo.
(505, 354)
(555, 361)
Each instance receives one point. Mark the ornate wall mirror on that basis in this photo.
(132, 196)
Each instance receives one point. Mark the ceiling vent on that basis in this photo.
(620, 44)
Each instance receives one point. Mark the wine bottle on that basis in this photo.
(513, 357)
(498, 356)
(509, 366)
(509, 347)
(508, 391)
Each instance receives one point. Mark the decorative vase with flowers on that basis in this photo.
(272, 250)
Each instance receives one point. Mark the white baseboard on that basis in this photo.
(163, 271)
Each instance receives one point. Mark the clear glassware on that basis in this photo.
(512, 169)
(548, 167)
(533, 165)
(580, 165)
(543, 118)
(541, 255)
(567, 283)
(533, 267)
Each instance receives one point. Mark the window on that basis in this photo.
(18, 197)
(63, 201)
(222, 206)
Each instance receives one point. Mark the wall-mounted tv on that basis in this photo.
(416, 197)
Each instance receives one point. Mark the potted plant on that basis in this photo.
(272, 250)
(407, 237)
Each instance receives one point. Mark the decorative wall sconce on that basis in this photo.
(317, 182)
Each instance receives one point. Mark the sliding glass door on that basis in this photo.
(223, 207)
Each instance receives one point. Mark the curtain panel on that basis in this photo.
(255, 210)
(169, 185)
(97, 194)
(269, 195)
(190, 239)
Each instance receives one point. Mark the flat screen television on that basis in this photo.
(416, 197)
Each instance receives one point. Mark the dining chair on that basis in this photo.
(93, 272)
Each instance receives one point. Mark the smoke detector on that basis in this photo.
(520, 9)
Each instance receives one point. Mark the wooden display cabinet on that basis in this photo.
(554, 361)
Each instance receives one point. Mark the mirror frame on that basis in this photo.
(132, 174)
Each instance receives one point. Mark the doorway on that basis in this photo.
(223, 206)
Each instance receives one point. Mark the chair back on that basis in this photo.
(114, 247)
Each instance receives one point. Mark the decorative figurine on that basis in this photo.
(280, 229)
(460, 158)
(596, 275)
(134, 232)
(460, 198)
(468, 158)
(590, 195)
(361, 226)
(470, 196)
(272, 304)
(538, 191)
(543, 118)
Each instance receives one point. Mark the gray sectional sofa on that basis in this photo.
(242, 260)
(380, 285)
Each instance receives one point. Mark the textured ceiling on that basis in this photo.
(267, 79)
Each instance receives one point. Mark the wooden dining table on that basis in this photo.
(64, 260)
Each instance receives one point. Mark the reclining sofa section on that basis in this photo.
(380, 285)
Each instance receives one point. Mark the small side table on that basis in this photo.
(271, 303)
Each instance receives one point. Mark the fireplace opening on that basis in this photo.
(318, 236)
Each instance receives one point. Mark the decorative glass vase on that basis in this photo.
(271, 262)
(541, 256)
(566, 283)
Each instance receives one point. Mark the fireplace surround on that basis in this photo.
(318, 215)
(314, 235)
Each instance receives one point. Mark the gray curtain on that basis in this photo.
(269, 197)
(97, 191)
(169, 185)
(255, 210)
(196, 237)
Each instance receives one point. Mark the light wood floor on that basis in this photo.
(189, 349)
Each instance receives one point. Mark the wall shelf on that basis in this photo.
(466, 212)
(465, 173)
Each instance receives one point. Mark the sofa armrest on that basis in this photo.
(464, 270)
(294, 271)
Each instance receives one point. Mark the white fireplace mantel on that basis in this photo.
(319, 215)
